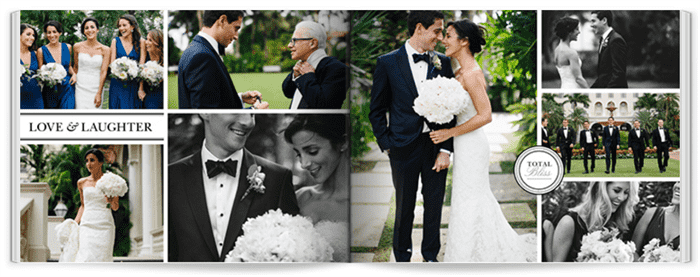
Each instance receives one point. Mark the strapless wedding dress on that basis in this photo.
(478, 231)
(96, 233)
(88, 80)
(568, 80)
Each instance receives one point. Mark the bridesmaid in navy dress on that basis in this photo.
(30, 91)
(63, 95)
(153, 97)
(124, 95)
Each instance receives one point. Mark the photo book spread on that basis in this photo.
(351, 136)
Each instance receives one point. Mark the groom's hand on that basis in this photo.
(250, 97)
(442, 162)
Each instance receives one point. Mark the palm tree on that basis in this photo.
(577, 117)
(576, 98)
(646, 119)
(646, 102)
(667, 104)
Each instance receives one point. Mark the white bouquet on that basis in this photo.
(279, 237)
(604, 246)
(151, 72)
(440, 99)
(124, 69)
(337, 235)
(655, 253)
(50, 74)
(112, 185)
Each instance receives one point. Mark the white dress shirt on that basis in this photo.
(638, 133)
(566, 132)
(662, 135)
(220, 192)
(588, 136)
(314, 59)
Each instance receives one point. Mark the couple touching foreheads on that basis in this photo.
(317, 81)
(478, 230)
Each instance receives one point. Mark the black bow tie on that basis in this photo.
(636, 129)
(222, 50)
(216, 167)
(421, 57)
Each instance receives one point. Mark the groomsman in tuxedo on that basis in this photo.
(406, 137)
(612, 52)
(589, 142)
(611, 142)
(637, 143)
(661, 140)
(203, 81)
(317, 81)
(545, 133)
(565, 143)
(210, 197)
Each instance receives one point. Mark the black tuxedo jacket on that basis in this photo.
(612, 63)
(636, 142)
(545, 136)
(203, 81)
(570, 139)
(190, 237)
(611, 141)
(325, 88)
(656, 138)
(394, 90)
(582, 138)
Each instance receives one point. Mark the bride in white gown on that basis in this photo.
(92, 60)
(478, 231)
(567, 61)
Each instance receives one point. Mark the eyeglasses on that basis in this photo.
(294, 40)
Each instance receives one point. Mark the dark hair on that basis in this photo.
(55, 24)
(565, 26)
(605, 14)
(136, 34)
(100, 156)
(466, 29)
(329, 126)
(210, 17)
(85, 21)
(611, 117)
(586, 121)
(544, 118)
(24, 26)
(158, 38)
(425, 18)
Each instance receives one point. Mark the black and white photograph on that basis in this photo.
(612, 221)
(91, 203)
(436, 101)
(264, 59)
(611, 49)
(614, 134)
(258, 188)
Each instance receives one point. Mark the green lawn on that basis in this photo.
(625, 168)
(269, 84)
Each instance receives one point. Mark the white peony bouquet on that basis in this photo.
(124, 69)
(50, 74)
(151, 72)
(279, 237)
(112, 185)
(604, 246)
(337, 235)
(440, 99)
(655, 253)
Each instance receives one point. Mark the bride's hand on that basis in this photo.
(73, 79)
(439, 136)
(98, 100)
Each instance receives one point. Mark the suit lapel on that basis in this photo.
(405, 69)
(198, 203)
(239, 211)
(222, 67)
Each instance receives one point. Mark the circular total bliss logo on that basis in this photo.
(538, 170)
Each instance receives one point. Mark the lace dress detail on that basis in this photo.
(478, 231)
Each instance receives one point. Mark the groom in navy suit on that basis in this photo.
(405, 137)
(611, 143)
(612, 52)
(203, 80)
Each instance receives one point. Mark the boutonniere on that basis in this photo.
(435, 60)
(255, 178)
(605, 42)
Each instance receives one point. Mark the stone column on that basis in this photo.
(147, 202)
(34, 221)
(135, 194)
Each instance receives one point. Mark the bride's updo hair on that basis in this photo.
(85, 21)
(565, 26)
(466, 29)
(328, 126)
(98, 154)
